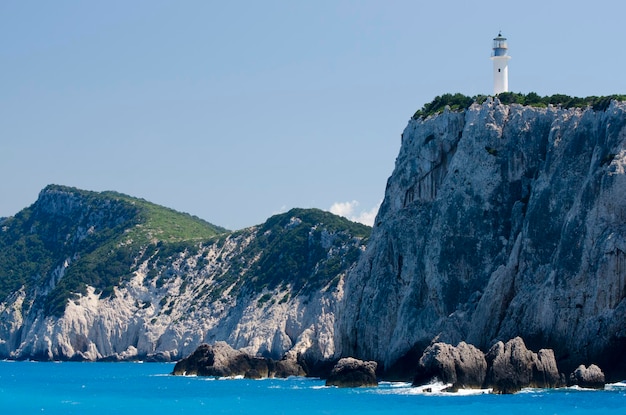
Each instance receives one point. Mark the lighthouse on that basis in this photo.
(500, 60)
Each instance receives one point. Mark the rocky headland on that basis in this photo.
(500, 221)
(502, 232)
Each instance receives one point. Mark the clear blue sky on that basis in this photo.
(237, 110)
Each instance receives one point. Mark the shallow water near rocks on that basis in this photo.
(131, 388)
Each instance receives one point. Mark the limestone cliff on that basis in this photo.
(90, 276)
(498, 221)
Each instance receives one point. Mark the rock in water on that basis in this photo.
(464, 366)
(513, 367)
(353, 373)
(218, 359)
(221, 360)
(288, 366)
(588, 377)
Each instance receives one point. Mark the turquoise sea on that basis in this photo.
(133, 388)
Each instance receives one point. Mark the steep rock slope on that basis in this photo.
(92, 276)
(498, 221)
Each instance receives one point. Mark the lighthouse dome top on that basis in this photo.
(500, 45)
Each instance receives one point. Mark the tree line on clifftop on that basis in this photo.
(460, 102)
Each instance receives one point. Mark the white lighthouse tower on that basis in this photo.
(500, 60)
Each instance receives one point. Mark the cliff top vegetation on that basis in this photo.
(460, 102)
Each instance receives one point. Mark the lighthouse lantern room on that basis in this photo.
(500, 60)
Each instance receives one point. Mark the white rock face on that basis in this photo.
(170, 306)
(498, 222)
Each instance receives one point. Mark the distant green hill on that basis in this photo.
(88, 275)
(70, 239)
(305, 249)
(87, 238)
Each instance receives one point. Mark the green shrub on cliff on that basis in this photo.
(460, 102)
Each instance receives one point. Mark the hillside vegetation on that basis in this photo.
(460, 102)
(87, 238)
(70, 239)
(293, 248)
(158, 223)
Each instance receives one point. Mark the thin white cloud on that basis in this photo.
(368, 217)
(350, 211)
(345, 209)
(282, 209)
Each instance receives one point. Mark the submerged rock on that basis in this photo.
(159, 357)
(352, 373)
(588, 377)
